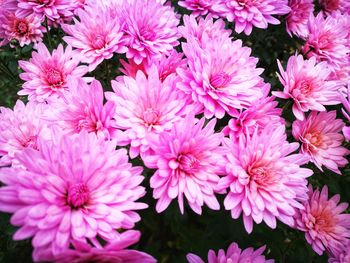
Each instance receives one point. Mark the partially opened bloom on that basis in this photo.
(323, 220)
(297, 19)
(82, 109)
(321, 139)
(330, 6)
(97, 36)
(221, 77)
(264, 178)
(20, 128)
(25, 30)
(75, 187)
(306, 82)
(150, 28)
(342, 256)
(188, 160)
(46, 74)
(116, 251)
(346, 112)
(234, 254)
(145, 105)
(247, 14)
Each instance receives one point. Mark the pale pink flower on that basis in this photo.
(46, 74)
(74, 187)
(221, 77)
(247, 14)
(265, 180)
(25, 30)
(56, 11)
(297, 19)
(204, 30)
(145, 105)
(97, 36)
(328, 40)
(321, 139)
(341, 256)
(306, 82)
(234, 254)
(325, 225)
(82, 109)
(262, 113)
(189, 160)
(334, 5)
(203, 7)
(346, 111)
(150, 28)
(20, 128)
(112, 252)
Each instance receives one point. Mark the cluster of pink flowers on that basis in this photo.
(203, 119)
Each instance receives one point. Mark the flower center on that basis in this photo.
(98, 42)
(150, 116)
(330, 5)
(78, 195)
(188, 163)
(30, 142)
(314, 138)
(54, 77)
(220, 80)
(258, 174)
(21, 27)
(147, 34)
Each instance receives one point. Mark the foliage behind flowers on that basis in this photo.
(174, 131)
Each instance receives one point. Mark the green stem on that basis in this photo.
(48, 33)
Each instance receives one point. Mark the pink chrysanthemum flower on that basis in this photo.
(189, 161)
(97, 36)
(55, 11)
(234, 254)
(203, 7)
(166, 65)
(150, 28)
(82, 109)
(25, 30)
(74, 187)
(330, 6)
(145, 106)
(323, 221)
(261, 114)
(321, 139)
(306, 82)
(222, 77)
(247, 14)
(346, 112)
(204, 30)
(297, 19)
(341, 256)
(113, 252)
(20, 128)
(46, 74)
(328, 40)
(265, 180)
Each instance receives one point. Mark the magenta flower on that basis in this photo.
(334, 5)
(82, 109)
(150, 28)
(341, 256)
(188, 160)
(46, 74)
(74, 187)
(328, 40)
(25, 30)
(203, 7)
(265, 181)
(234, 254)
(323, 221)
(346, 112)
(54, 10)
(297, 19)
(145, 106)
(258, 116)
(113, 252)
(248, 13)
(321, 139)
(306, 82)
(221, 77)
(20, 128)
(97, 36)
